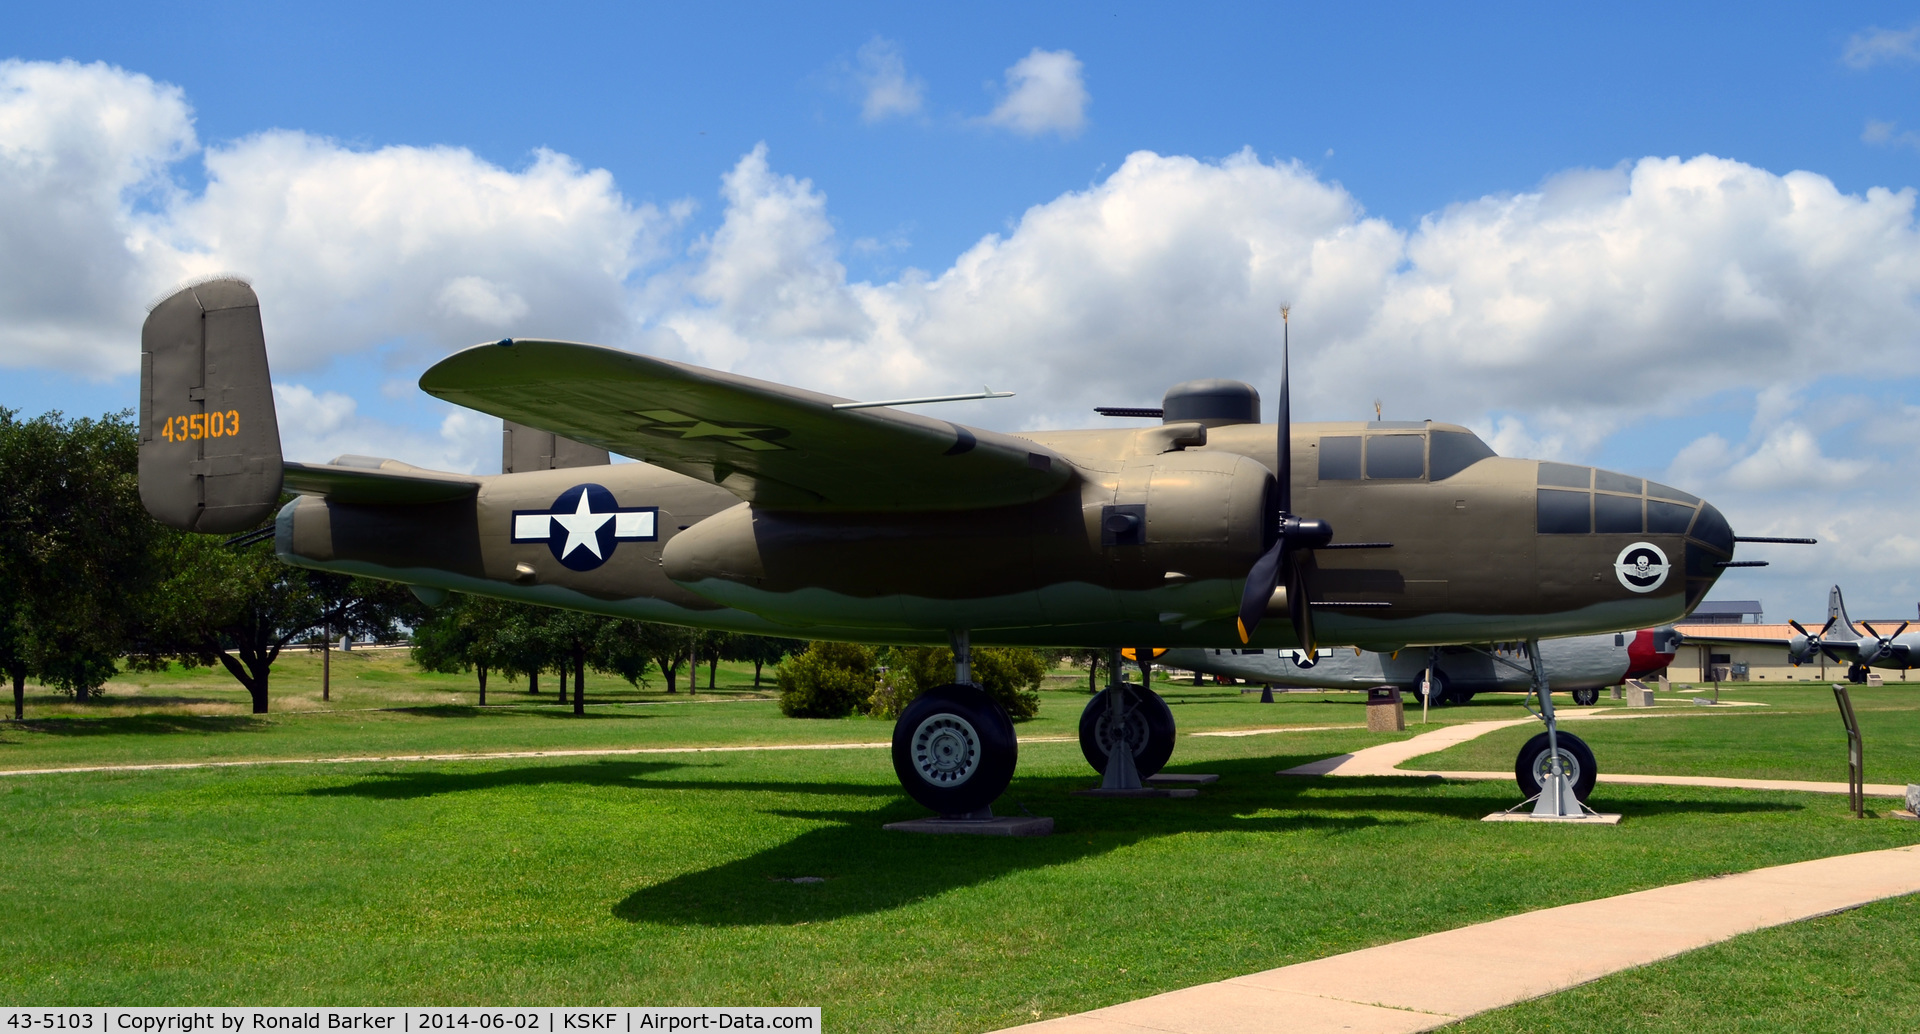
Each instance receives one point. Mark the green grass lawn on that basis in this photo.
(665, 879)
(1797, 735)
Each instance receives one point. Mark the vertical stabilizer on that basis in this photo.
(209, 441)
(1837, 611)
(524, 448)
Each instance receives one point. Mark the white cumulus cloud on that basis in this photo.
(1045, 93)
(887, 90)
(1879, 46)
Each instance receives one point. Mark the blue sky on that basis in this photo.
(1403, 113)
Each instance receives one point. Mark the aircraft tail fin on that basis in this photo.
(210, 456)
(1837, 611)
(529, 448)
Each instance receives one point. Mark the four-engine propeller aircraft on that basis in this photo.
(1581, 665)
(1840, 640)
(763, 508)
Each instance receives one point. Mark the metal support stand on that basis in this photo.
(1856, 766)
(1120, 773)
(1557, 799)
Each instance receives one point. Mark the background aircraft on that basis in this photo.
(1581, 665)
(1861, 645)
(765, 508)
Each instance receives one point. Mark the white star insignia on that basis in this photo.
(583, 528)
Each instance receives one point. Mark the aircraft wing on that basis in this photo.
(1846, 649)
(364, 479)
(767, 443)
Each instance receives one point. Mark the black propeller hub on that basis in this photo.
(1304, 532)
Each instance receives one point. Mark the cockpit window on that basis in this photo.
(1660, 491)
(1608, 481)
(1711, 528)
(1564, 513)
(1566, 475)
(1396, 456)
(1668, 518)
(1453, 452)
(1340, 458)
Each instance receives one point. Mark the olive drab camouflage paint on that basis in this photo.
(758, 507)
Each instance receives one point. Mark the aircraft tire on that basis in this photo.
(1150, 751)
(1531, 764)
(1443, 693)
(1586, 697)
(954, 749)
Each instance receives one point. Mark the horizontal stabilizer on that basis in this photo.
(366, 480)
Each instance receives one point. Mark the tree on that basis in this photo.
(240, 606)
(572, 634)
(1010, 675)
(827, 680)
(761, 650)
(1092, 659)
(470, 633)
(74, 543)
(669, 646)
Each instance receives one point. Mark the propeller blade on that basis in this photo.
(1298, 610)
(1800, 628)
(1898, 631)
(1261, 581)
(1871, 630)
(1283, 468)
(1828, 625)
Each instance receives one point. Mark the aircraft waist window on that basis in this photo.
(1452, 452)
(1614, 514)
(1654, 488)
(1668, 518)
(1564, 513)
(1396, 456)
(1566, 475)
(1340, 458)
(1607, 480)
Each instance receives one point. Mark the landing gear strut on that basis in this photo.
(953, 747)
(1555, 766)
(1131, 715)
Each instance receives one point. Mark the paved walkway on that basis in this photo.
(1431, 981)
(1387, 758)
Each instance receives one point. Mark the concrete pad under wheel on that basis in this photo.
(1182, 779)
(1145, 791)
(1569, 820)
(998, 826)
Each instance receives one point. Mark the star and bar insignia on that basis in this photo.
(666, 423)
(584, 526)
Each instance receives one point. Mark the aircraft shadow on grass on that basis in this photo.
(519, 709)
(866, 869)
(634, 775)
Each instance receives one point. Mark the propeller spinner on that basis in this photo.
(1882, 646)
(1294, 535)
(1809, 643)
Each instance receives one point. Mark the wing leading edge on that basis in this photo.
(773, 445)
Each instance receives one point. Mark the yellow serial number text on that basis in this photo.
(191, 426)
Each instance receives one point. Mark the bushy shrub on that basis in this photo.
(827, 680)
(1010, 675)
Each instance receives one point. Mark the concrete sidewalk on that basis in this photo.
(1430, 981)
(1386, 759)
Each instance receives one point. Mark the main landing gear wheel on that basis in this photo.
(954, 749)
(1530, 769)
(1149, 730)
(1586, 697)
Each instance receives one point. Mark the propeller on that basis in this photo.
(1294, 536)
(1882, 644)
(1798, 652)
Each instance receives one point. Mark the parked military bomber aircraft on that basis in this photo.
(1840, 640)
(763, 508)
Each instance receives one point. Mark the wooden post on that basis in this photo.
(1856, 764)
(326, 665)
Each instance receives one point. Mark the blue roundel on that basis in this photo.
(584, 526)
